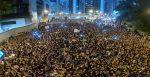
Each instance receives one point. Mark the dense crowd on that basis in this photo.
(77, 49)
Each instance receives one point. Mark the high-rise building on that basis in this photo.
(53, 6)
(40, 6)
(76, 6)
(62, 6)
(92, 5)
(73, 6)
(70, 6)
(110, 6)
(81, 6)
(84, 6)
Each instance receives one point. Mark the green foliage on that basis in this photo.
(128, 9)
(136, 12)
(5, 6)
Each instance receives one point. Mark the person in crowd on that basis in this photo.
(93, 51)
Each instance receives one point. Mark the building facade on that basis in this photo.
(23, 13)
(81, 6)
(62, 6)
(76, 6)
(92, 5)
(70, 6)
(110, 6)
(53, 6)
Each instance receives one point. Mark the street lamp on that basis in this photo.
(148, 11)
(46, 11)
(115, 12)
(91, 11)
(97, 11)
(61, 13)
(79, 12)
(100, 12)
(66, 13)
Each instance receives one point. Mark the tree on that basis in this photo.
(136, 12)
(5, 6)
(128, 9)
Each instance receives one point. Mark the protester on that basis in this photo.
(77, 49)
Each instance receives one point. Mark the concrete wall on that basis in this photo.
(20, 22)
(14, 32)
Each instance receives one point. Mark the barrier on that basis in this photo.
(14, 32)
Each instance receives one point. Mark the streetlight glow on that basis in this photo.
(91, 11)
(148, 11)
(97, 11)
(79, 12)
(61, 13)
(46, 11)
